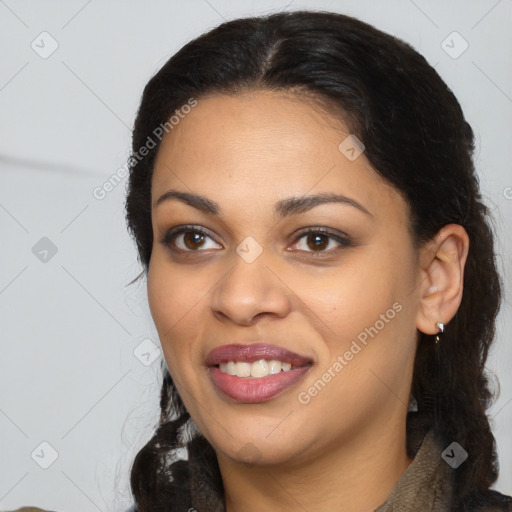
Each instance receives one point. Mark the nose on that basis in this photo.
(249, 291)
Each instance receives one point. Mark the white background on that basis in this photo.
(68, 375)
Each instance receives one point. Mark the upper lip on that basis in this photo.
(254, 352)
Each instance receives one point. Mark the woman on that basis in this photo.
(320, 271)
(316, 251)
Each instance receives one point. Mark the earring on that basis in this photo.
(440, 326)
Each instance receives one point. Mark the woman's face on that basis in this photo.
(344, 297)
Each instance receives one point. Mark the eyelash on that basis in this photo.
(172, 234)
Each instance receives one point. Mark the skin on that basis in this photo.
(247, 152)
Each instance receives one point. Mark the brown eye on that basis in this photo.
(189, 239)
(321, 242)
(317, 241)
(193, 239)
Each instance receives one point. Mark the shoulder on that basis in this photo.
(490, 501)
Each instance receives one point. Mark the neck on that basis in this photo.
(369, 461)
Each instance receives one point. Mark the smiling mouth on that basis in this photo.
(251, 389)
(256, 369)
(255, 373)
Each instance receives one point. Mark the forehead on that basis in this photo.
(265, 125)
(260, 146)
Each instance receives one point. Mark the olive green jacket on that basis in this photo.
(426, 485)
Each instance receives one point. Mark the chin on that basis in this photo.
(258, 449)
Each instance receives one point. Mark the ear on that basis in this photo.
(442, 263)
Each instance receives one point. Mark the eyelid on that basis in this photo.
(323, 230)
(340, 237)
(172, 233)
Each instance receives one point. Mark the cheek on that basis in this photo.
(367, 308)
(352, 297)
(364, 316)
(176, 300)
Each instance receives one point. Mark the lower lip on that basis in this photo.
(247, 390)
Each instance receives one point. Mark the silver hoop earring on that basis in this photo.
(440, 326)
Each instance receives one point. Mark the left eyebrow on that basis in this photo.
(295, 205)
(283, 208)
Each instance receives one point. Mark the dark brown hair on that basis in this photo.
(416, 137)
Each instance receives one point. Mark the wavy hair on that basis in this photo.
(416, 138)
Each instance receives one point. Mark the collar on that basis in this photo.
(425, 486)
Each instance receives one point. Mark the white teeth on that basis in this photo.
(243, 369)
(274, 366)
(257, 369)
(229, 368)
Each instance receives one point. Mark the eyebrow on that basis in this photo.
(283, 208)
